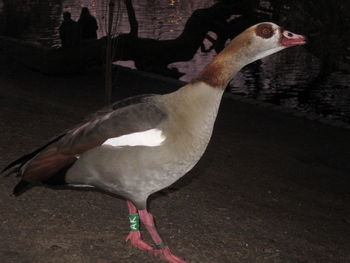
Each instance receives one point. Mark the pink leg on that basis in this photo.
(135, 236)
(164, 251)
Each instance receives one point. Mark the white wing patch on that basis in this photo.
(152, 137)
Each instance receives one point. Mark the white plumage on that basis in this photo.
(151, 138)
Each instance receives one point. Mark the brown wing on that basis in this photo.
(45, 164)
(62, 153)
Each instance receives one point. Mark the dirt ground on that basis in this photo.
(271, 187)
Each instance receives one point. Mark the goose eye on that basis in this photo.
(264, 30)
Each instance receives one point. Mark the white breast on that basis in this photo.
(151, 138)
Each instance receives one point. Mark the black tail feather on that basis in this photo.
(22, 160)
(10, 171)
(21, 187)
(58, 179)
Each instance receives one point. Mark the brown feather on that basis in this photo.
(219, 72)
(46, 164)
(264, 30)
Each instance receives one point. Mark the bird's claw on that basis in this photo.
(167, 255)
(136, 241)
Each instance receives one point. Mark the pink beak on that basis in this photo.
(289, 39)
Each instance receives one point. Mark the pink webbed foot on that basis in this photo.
(167, 255)
(136, 241)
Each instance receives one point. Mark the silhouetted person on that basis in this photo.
(88, 25)
(69, 32)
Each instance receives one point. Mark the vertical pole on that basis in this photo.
(108, 73)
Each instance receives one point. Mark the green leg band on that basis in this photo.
(134, 222)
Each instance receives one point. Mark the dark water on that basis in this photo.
(289, 78)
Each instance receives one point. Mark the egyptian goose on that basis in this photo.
(143, 144)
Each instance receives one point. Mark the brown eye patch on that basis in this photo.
(264, 30)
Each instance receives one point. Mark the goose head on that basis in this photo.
(264, 39)
(254, 43)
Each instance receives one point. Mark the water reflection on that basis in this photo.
(282, 80)
(289, 78)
